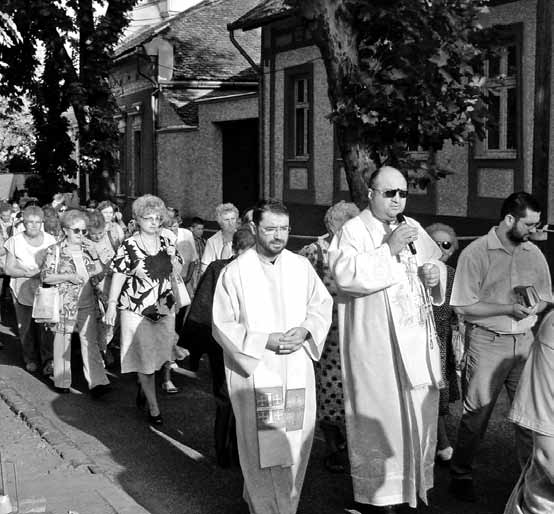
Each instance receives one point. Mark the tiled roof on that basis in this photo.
(202, 48)
(265, 12)
(183, 100)
(138, 38)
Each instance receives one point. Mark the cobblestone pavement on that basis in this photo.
(37, 478)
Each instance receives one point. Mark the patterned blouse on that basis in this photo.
(147, 288)
(59, 261)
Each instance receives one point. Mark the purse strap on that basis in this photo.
(56, 263)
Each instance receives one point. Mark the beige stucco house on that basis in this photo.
(300, 159)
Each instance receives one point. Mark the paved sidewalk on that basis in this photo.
(48, 482)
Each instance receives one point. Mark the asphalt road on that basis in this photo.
(173, 470)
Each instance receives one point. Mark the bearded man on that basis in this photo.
(498, 326)
(271, 314)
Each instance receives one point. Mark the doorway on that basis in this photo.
(241, 183)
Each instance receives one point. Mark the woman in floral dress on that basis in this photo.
(70, 265)
(141, 289)
(330, 401)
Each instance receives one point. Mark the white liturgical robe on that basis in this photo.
(390, 360)
(273, 396)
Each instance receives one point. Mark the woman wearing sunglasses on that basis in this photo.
(445, 319)
(69, 265)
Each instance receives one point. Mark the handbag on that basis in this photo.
(180, 293)
(46, 303)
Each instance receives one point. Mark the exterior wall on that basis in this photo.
(190, 160)
(323, 132)
(523, 12)
(551, 154)
(451, 193)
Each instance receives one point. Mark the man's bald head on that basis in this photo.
(388, 189)
(383, 171)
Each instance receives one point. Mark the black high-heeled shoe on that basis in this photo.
(155, 420)
(140, 399)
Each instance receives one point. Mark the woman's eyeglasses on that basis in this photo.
(152, 219)
(391, 193)
(445, 245)
(82, 231)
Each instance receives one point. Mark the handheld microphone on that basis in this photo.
(401, 219)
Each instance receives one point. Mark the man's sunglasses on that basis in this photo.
(83, 231)
(391, 193)
(445, 245)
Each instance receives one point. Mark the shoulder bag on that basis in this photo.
(46, 304)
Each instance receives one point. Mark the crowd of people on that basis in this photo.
(364, 332)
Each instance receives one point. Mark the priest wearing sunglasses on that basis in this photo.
(389, 272)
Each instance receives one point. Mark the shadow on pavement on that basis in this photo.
(173, 470)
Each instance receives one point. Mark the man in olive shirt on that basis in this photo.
(498, 326)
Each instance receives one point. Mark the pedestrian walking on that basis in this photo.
(141, 290)
(271, 315)
(26, 251)
(69, 265)
(498, 326)
(389, 271)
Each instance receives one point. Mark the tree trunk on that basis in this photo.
(337, 41)
(357, 159)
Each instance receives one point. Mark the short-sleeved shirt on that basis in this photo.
(184, 241)
(216, 248)
(488, 272)
(31, 258)
(147, 288)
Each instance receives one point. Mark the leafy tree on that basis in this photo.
(402, 75)
(77, 45)
(17, 138)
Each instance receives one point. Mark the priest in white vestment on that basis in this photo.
(271, 314)
(388, 269)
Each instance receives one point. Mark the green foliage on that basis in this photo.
(77, 44)
(17, 137)
(410, 80)
(54, 147)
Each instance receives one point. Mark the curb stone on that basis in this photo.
(117, 498)
(62, 444)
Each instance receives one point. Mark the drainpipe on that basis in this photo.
(259, 71)
(154, 103)
(243, 51)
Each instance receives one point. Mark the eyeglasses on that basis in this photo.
(76, 231)
(152, 219)
(391, 193)
(272, 230)
(445, 245)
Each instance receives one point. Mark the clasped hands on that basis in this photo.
(287, 342)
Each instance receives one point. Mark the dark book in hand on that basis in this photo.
(527, 295)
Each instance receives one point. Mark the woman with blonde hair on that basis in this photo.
(141, 289)
(25, 253)
(69, 265)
